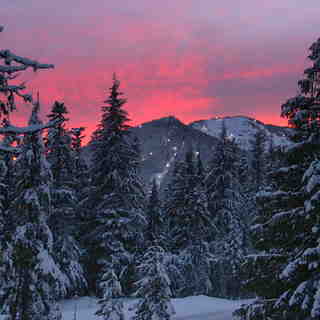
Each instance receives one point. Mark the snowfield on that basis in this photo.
(190, 308)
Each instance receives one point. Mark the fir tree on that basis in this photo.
(303, 110)
(186, 205)
(228, 212)
(301, 295)
(110, 306)
(26, 282)
(189, 224)
(153, 287)
(222, 181)
(79, 164)
(58, 144)
(286, 231)
(30, 268)
(115, 203)
(64, 202)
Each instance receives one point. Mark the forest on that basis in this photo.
(239, 226)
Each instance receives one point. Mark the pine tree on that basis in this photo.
(286, 231)
(303, 110)
(153, 287)
(115, 203)
(80, 167)
(26, 289)
(81, 180)
(189, 224)
(29, 267)
(301, 297)
(222, 181)
(228, 212)
(58, 144)
(64, 202)
(111, 307)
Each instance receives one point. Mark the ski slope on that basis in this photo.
(190, 308)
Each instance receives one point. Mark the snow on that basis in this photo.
(26, 62)
(192, 308)
(29, 129)
(242, 129)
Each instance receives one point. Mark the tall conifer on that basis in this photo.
(115, 203)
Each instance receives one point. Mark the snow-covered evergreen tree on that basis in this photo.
(186, 205)
(64, 202)
(284, 273)
(58, 144)
(228, 211)
(30, 269)
(115, 203)
(153, 287)
(222, 181)
(110, 306)
(80, 172)
(303, 110)
(301, 299)
(188, 223)
(301, 296)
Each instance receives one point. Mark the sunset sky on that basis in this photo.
(194, 59)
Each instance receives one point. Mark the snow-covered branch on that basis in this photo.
(10, 149)
(12, 69)
(29, 129)
(10, 57)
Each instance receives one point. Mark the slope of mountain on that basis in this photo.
(243, 129)
(167, 139)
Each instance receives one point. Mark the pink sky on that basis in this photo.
(188, 58)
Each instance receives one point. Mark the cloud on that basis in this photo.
(173, 57)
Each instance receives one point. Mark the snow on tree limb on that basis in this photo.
(10, 57)
(12, 69)
(10, 149)
(29, 129)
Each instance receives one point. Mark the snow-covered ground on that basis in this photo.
(190, 308)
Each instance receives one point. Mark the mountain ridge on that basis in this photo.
(167, 139)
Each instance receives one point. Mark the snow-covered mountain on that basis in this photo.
(167, 139)
(243, 129)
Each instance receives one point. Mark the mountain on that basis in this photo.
(167, 139)
(243, 129)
